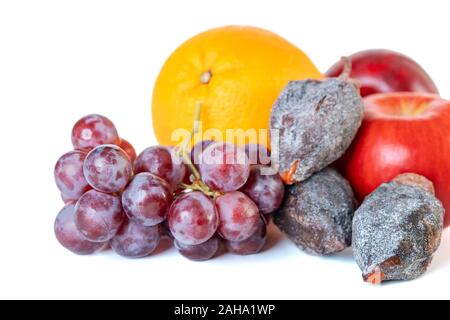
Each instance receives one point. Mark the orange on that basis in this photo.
(235, 73)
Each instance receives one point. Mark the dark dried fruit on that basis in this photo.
(312, 125)
(396, 231)
(317, 213)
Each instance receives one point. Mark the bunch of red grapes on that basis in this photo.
(220, 193)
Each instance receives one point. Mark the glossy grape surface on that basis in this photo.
(69, 236)
(239, 216)
(69, 176)
(128, 148)
(135, 240)
(198, 149)
(92, 131)
(147, 199)
(252, 245)
(108, 168)
(224, 167)
(257, 154)
(193, 218)
(162, 162)
(98, 216)
(265, 188)
(201, 252)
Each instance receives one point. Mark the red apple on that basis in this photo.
(381, 71)
(401, 133)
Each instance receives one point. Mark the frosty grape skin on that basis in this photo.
(193, 218)
(134, 240)
(98, 215)
(224, 167)
(257, 154)
(265, 188)
(201, 252)
(108, 168)
(239, 216)
(69, 176)
(92, 131)
(69, 236)
(162, 162)
(147, 199)
(198, 149)
(252, 245)
(67, 199)
(131, 214)
(128, 148)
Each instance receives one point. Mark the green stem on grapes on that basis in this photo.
(187, 161)
(198, 184)
(194, 131)
(182, 152)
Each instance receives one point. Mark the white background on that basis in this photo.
(60, 60)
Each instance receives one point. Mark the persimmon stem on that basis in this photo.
(347, 69)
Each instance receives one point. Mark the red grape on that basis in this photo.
(198, 149)
(92, 131)
(108, 168)
(147, 199)
(265, 188)
(69, 175)
(162, 162)
(193, 218)
(239, 216)
(67, 199)
(267, 218)
(128, 148)
(98, 215)
(165, 230)
(187, 179)
(68, 235)
(252, 245)
(135, 240)
(257, 154)
(201, 252)
(224, 167)
(188, 176)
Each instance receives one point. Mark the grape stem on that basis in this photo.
(200, 187)
(182, 151)
(194, 131)
(198, 184)
(187, 161)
